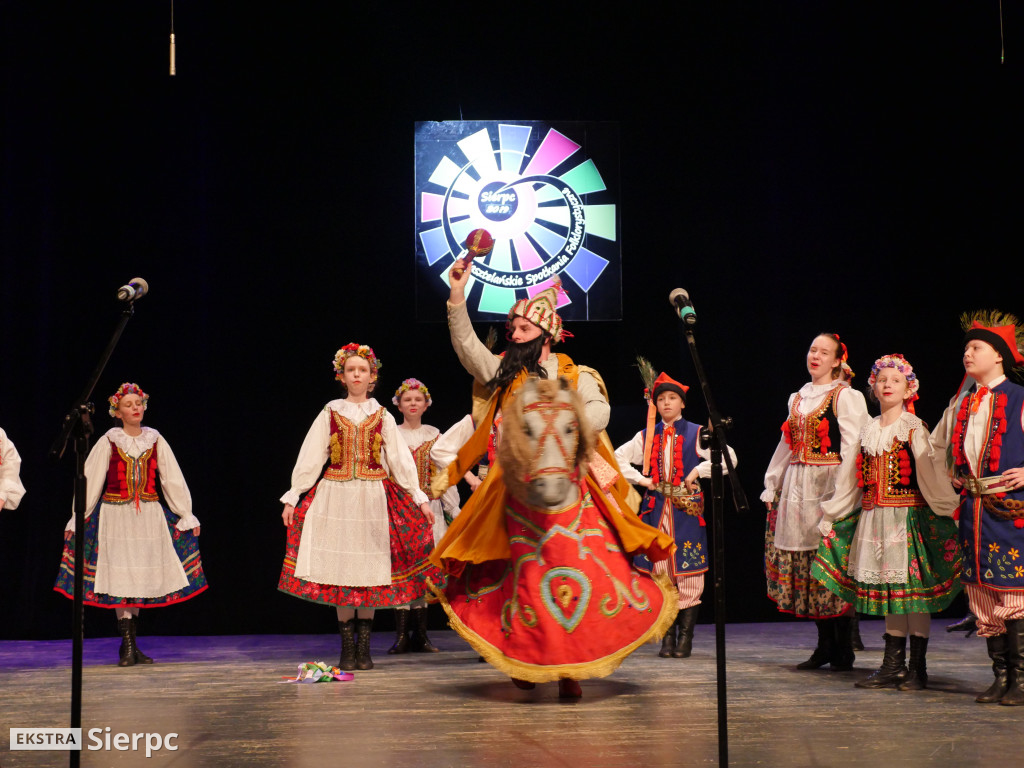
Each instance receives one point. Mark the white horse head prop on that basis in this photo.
(545, 443)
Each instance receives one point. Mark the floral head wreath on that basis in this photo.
(899, 362)
(128, 388)
(411, 384)
(354, 350)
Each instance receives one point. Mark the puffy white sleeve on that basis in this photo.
(852, 410)
(704, 468)
(450, 441)
(173, 486)
(11, 489)
(474, 355)
(779, 464)
(450, 502)
(847, 495)
(96, 464)
(595, 405)
(932, 479)
(312, 456)
(400, 464)
(939, 441)
(629, 454)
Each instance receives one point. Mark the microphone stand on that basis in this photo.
(78, 423)
(715, 437)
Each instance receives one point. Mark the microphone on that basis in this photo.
(137, 288)
(680, 299)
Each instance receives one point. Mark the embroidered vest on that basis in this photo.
(130, 479)
(424, 468)
(355, 448)
(814, 438)
(890, 479)
(684, 456)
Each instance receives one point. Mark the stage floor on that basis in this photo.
(224, 699)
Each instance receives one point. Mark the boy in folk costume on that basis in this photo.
(672, 461)
(11, 489)
(982, 433)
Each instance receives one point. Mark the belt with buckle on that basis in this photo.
(983, 486)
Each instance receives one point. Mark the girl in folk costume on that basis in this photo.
(141, 538)
(895, 554)
(11, 489)
(672, 461)
(982, 437)
(430, 450)
(818, 444)
(356, 541)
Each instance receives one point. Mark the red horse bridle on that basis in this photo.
(549, 411)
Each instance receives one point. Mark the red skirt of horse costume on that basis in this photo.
(548, 594)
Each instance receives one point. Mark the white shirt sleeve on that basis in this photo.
(629, 454)
(399, 460)
(595, 405)
(704, 468)
(96, 464)
(932, 479)
(173, 486)
(11, 489)
(448, 444)
(312, 456)
(474, 355)
(450, 501)
(779, 464)
(847, 495)
(852, 409)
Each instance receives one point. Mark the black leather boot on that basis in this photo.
(826, 647)
(996, 652)
(968, 624)
(363, 627)
(140, 657)
(1014, 696)
(347, 630)
(126, 653)
(668, 642)
(894, 667)
(419, 628)
(401, 644)
(917, 672)
(843, 658)
(687, 619)
(855, 638)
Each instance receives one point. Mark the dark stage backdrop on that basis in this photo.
(798, 167)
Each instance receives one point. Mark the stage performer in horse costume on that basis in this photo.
(479, 534)
(549, 592)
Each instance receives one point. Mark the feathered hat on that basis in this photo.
(1001, 330)
(654, 386)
